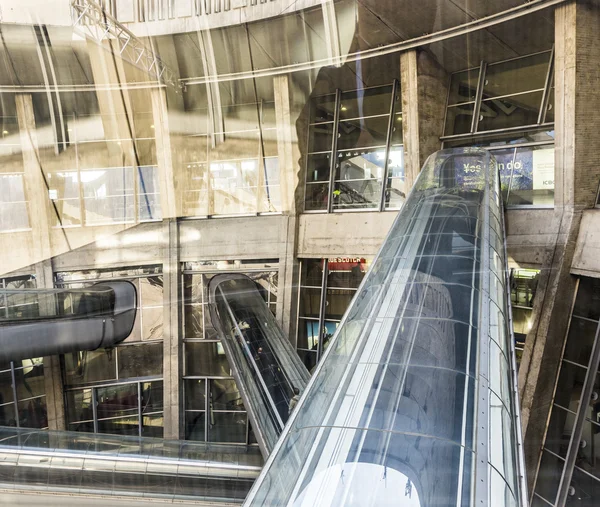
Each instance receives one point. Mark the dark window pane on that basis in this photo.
(195, 422)
(397, 130)
(308, 334)
(33, 413)
(328, 332)
(337, 303)
(195, 394)
(152, 396)
(586, 490)
(309, 358)
(458, 119)
(463, 86)
(320, 137)
(227, 427)
(140, 360)
(79, 405)
(549, 475)
(570, 383)
(366, 102)
(318, 167)
(322, 108)
(153, 425)
(117, 401)
(516, 76)
(588, 455)
(346, 272)
(310, 303)
(120, 426)
(224, 395)
(6, 392)
(90, 366)
(312, 272)
(317, 196)
(587, 303)
(559, 431)
(7, 415)
(363, 133)
(30, 380)
(507, 112)
(580, 340)
(206, 359)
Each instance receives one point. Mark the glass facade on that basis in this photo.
(326, 289)
(355, 154)
(568, 470)
(213, 407)
(508, 107)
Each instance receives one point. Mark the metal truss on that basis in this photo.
(95, 22)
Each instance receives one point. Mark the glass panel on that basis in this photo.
(528, 174)
(195, 394)
(346, 272)
(516, 76)
(587, 303)
(33, 413)
(580, 341)
(309, 358)
(152, 323)
(358, 180)
(568, 388)
(362, 133)
(195, 423)
(585, 492)
(320, 138)
(588, 456)
(323, 108)
(152, 397)
(365, 102)
(523, 286)
(140, 360)
(120, 426)
(337, 303)
(79, 405)
(148, 194)
(90, 366)
(463, 86)
(206, 359)
(317, 196)
(108, 195)
(458, 119)
(7, 415)
(559, 431)
(30, 379)
(318, 167)
(228, 427)
(117, 401)
(153, 425)
(224, 395)
(308, 334)
(508, 112)
(549, 475)
(310, 303)
(312, 272)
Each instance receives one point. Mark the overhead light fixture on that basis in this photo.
(151, 126)
(5, 132)
(344, 108)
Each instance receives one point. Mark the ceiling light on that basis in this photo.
(5, 132)
(151, 126)
(344, 108)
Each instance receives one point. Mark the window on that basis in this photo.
(523, 286)
(327, 287)
(13, 205)
(213, 410)
(355, 156)
(569, 409)
(22, 385)
(133, 408)
(507, 107)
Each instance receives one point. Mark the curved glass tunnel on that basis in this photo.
(266, 367)
(67, 320)
(415, 396)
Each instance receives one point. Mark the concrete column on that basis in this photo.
(423, 85)
(53, 384)
(35, 182)
(288, 155)
(577, 117)
(172, 336)
(164, 154)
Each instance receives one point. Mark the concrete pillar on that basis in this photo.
(172, 336)
(35, 182)
(423, 85)
(288, 155)
(53, 384)
(164, 154)
(577, 117)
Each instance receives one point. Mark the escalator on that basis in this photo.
(268, 372)
(58, 321)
